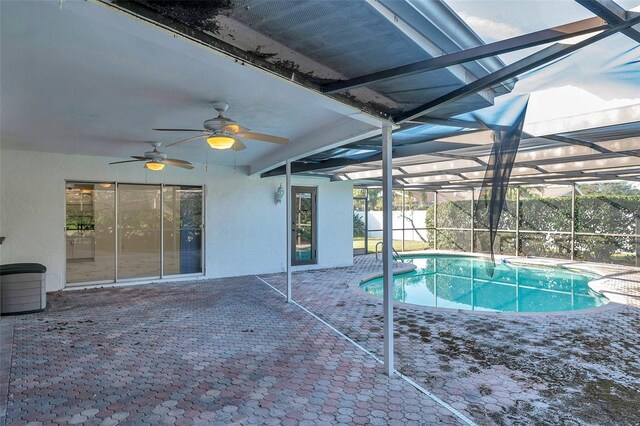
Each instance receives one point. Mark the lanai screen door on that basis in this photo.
(304, 233)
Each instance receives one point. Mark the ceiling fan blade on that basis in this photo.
(187, 140)
(262, 137)
(238, 146)
(139, 158)
(176, 161)
(127, 161)
(179, 163)
(234, 128)
(180, 130)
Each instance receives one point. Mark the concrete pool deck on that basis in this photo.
(230, 350)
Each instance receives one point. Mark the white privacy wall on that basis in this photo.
(244, 229)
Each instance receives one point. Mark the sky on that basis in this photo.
(498, 19)
(601, 76)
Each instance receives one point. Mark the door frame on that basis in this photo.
(314, 225)
(117, 279)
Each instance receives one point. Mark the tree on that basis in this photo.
(609, 188)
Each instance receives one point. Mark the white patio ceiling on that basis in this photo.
(82, 78)
(96, 77)
(93, 78)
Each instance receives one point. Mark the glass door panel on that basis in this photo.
(304, 225)
(90, 232)
(182, 234)
(359, 225)
(138, 231)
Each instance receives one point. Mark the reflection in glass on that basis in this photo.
(90, 236)
(303, 217)
(182, 230)
(138, 231)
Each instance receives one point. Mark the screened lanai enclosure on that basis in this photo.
(595, 221)
(551, 168)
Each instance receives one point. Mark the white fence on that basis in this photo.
(418, 217)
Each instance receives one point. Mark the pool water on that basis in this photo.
(463, 282)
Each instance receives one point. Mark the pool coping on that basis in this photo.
(616, 301)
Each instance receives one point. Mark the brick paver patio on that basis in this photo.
(208, 352)
(574, 368)
(231, 351)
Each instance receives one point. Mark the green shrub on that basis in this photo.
(599, 214)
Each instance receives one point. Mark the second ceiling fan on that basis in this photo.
(224, 133)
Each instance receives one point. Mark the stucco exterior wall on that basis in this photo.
(244, 229)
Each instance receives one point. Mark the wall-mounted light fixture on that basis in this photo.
(279, 194)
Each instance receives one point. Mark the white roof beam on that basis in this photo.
(346, 131)
(611, 117)
(424, 43)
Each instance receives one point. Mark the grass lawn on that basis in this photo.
(409, 245)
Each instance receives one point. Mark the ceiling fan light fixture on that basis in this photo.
(221, 141)
(155, 166)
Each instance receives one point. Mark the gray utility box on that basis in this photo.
(22, 288)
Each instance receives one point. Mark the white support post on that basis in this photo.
(162, 231)
(573, 221)
(387, 252)
(289, 229)
(517, 221)
(435, 220)
(403, 216)
(473, 224)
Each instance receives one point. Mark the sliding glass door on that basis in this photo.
(138, 231)
(90, 232)
(124, 231)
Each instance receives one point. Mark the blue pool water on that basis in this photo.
(463, 282)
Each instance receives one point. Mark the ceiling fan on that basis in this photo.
(155, 160)
(223, 133)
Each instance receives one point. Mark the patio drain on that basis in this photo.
(448, 407)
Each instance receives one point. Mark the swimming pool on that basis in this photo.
(463, 282)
